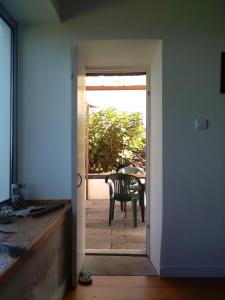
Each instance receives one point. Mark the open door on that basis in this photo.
(78, 164)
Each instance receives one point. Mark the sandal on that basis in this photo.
(85, 278)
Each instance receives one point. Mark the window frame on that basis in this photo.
(11, 22)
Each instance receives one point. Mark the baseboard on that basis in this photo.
(193, 272)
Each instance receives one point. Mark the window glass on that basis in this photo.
(5, 109)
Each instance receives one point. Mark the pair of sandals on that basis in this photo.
(85, 278)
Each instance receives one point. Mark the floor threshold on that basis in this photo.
(125, 252)
(118, 265)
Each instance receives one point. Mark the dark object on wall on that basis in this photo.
(222, 80)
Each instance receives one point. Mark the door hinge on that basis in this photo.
(71, 76)
(148, 226)
(148, 93)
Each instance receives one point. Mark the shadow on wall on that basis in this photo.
(70, 9)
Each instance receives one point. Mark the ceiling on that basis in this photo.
(33, 11)
(48, 11)
(120, 53)
(127, 54)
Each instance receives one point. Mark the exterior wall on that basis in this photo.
(193, 172)
(97, 189)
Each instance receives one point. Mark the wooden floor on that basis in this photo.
(120, 235)
(149, 288)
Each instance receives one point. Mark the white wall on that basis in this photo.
(193, 240)
(193, 161)
(97, 189)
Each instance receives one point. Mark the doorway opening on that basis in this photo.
(116, 142)
(108, 56)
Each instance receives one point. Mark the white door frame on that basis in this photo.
(76, 85)
(148, 130)
(148, 155)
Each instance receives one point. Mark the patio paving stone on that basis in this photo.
(106, 238)
(97, 245)
(101, 231)
(120, 235)
(135, 239)
(119, 245)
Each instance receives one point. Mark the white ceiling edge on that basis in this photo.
(31, 11)
(110, 55)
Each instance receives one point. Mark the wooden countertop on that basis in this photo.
(31, 234)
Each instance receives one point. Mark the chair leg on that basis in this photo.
(125, 208)
(134, 208)
(143, 212)
(142, 205)
(111, 210)
(113, 206)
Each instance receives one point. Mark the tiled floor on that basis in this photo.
(121, 236)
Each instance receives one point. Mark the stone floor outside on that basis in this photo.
(120, 237)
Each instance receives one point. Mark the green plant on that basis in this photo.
(115, 139)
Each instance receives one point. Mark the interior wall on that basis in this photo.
(193, 239)
(193, 174)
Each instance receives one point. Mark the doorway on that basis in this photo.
(120, 55)
(116, 118)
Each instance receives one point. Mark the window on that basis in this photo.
(8, 112)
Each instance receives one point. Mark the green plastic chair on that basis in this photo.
(120, 190)
(134, 185)
(131, 170)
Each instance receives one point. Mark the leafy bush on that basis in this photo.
(115, 140)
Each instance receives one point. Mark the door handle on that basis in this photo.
(78, 175)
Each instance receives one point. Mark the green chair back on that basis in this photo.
(131, 170)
